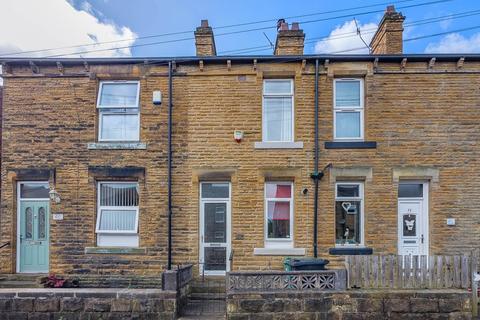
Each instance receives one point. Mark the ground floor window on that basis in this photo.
(117, 214)
(278, 212)
(348, 213)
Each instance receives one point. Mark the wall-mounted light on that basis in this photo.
(54, 196)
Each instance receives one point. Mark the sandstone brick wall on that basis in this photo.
(419, 117)
(443, 304)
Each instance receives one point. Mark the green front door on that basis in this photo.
(34, 229)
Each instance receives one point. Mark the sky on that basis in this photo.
(31, 25)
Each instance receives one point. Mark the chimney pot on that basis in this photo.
(204, 40)
(389, 36)
(289, 41)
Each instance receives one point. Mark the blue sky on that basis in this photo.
(148, 17)
(78, 22)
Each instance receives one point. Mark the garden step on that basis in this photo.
(204, 308)
(207, 296)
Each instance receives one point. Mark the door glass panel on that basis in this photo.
(34, 190)
(215, 223)
(410, 190)
(28, 223)
(409, 225)
(215, 258)
(215, 190)
(41, 223)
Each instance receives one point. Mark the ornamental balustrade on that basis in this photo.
(264, 281)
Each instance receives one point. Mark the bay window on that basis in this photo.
(277, 110)
(117, 214)
(349, 213)
(348, 109)
(118, 111)
(279, 213)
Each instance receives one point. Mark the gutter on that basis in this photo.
(191, 59)
(169, 163)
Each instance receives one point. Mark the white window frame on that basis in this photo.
(346, 109)
(100, 208)
(290, 95)
(127, 107)
(278, 242)
(360, 198)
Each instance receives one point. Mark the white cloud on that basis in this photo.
(32, 25)
(455, 43)
(343, 38)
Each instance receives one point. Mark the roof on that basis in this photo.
(191, 59)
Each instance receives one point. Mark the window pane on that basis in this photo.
(348, 190)
(118, 94)
(28, 223)
(215, 222)
(117, 220)
(347, 222)
(278, 87)
(118, 194)
(347, 125)
(275, 190)
(278, 119)
(347, 93)
(215, 190)
(120, 127)
(410, 190)
(278, 216)
(34, 190)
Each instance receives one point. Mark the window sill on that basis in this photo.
(115, 250)
(350, 250)
(116, 146)
(279, 145)
(350, 144)
(279, 251)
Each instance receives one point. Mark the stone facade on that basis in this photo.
(420, 121)
(423, 304)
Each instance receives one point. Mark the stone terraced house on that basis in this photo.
(127, 166)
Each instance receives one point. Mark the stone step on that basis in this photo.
(208, 285)
(207, 296)
(19, 284)
(204, 308)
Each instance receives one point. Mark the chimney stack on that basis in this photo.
(204, 40)
(290, 41)
(389, 36)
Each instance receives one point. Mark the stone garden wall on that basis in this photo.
(352, 304)
(97, 303)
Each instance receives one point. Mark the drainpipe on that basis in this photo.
(170, 107)
(315, 175)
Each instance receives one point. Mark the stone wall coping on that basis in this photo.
(86, 293)
(274, 272)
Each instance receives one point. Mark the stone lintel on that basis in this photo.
(351, 173)
(414, 172)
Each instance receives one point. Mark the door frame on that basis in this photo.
(18, 254)
(228, 202)
(425, 214)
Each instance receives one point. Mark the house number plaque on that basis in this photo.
(57, 216)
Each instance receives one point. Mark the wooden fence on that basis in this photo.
(410, 272)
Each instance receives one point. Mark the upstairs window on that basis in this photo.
(118, 107)
(348, 109)
(117, 215)
(277, 110)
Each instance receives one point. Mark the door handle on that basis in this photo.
(421, 238)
